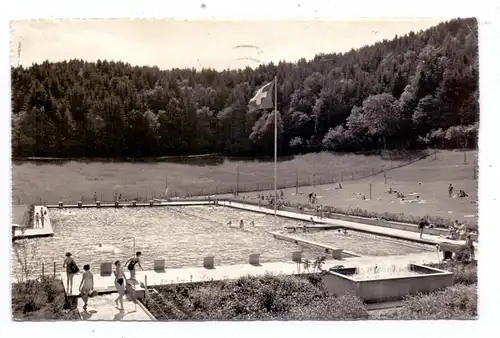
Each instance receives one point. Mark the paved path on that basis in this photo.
(103, 307)
(36, 232)
(378, 230)
(200, 274)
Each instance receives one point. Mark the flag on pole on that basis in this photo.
(263, 98)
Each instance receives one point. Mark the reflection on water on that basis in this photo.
(180, 235)
(366, 244)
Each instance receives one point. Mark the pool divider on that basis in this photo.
(335, 253)
(132, 204)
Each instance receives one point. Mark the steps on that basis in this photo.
(135, 290)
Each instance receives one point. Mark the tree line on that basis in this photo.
(414, 91)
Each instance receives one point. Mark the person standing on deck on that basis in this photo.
(71, 270)
(131, 263)
(86, 285)
(450, 190)
(421, 225)
(469, 243)
(37, 220)
(42, 217)
(95, 197)
(120, 282)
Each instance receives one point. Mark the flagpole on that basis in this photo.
(275, 148)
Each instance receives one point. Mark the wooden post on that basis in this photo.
(237, 179)
(385, 176)
(370, 191)
(296, 182)
(43, 269)
(54, 269)
(145, 286)
(314, 180)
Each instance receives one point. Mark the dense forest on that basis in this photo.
(415, 91)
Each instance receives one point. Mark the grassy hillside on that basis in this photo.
(70, 181)
(428, 178)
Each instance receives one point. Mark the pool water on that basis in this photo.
(365, 244)
(184, 235)
(180, 235)
(382, 271)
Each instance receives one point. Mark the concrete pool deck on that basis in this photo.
(103, 307)
(105, 284)
(46, 231)
(127, 204)
(377, 230)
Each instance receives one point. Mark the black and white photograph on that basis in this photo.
(214, 170)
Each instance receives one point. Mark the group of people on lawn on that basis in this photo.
(86, 287)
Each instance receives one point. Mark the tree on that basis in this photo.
(392, 93)
(25, 252)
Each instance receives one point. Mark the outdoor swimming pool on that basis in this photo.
(180, 235)
(184, 235)
(365, 244)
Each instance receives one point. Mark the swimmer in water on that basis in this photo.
(229, 223)
(241, 224)
(345, 231)
(253, 224)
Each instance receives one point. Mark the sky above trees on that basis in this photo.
(211, 44)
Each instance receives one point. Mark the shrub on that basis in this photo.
(463, 273)
(456, 302)
(41, 299)
(329, 308)
(259, 298)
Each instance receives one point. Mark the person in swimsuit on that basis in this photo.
(71, 270)
(469, 243)
(120, 282)
(86, 285)
(37, 220)
(131, 263)
(421, 225)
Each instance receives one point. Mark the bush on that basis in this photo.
(41, 299)
(259, 298)
(330, 308)
(456, 302)
(463, 273)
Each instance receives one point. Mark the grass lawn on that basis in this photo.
(35, 182)
(434, 176)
